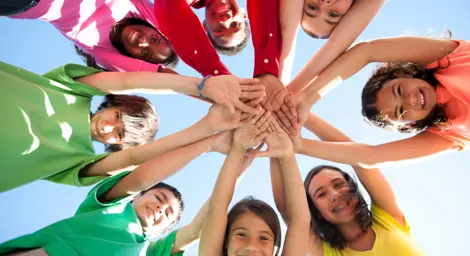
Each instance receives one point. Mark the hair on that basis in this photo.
(233, 50)
(179, 198)
(88, 59)
(116, 39)
(262, 210)
(327, 231)
(139, 117)
(387, 72)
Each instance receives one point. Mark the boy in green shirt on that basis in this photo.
(47, 131)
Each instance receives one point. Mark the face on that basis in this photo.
(106, 126)
(156, 209)
(250, 235)
(319, 17)
(144, 43)
(406, 99)
(328, 190)
(225, 22)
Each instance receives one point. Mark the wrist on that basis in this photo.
(237, 146)
(289, 155)
(299, 146)
(206, 127)
(202, 87)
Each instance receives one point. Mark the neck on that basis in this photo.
(351, 231)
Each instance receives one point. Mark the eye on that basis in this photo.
(333, 14)
(235, 24)
(322, 194)
(241, 234)
(340, 184)
(264, 238)
(312, 7)
(118, 115)
(158, 198)
(120, 135)
(154, 39)
(401, 111)
(399, 90)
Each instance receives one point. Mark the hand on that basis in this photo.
(297, 141)
(220, 119)
(279, 143)
(254, 131)
(302, 108)
(222, 142)
(228, 90)
(248, 159)
(277, 100)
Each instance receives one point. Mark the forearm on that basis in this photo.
(341, 69)
(158, 169)
(226, 181)
(277, 184)
(190, 233)
(142, 82)
(138, 155)
(323, 130)
(290, 15)
(295, 196)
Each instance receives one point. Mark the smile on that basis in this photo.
(341, 207)
(421, 97)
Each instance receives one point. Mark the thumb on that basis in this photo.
(265, 153)
(230, 106)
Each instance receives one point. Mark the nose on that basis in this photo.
(334, 196)
(162, 208)
(326, 2)
(251, 246)
(411, 100)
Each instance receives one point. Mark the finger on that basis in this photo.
(254, 102)
(286, 111)
(230, 106)
(284, 121)
(259, 147)
(245, 117)
(277, 127)
(248, 81)
(278, 99)
(262, 154)
(245, 108)
(252, 88)
(261, 136)
(262, 123)
(282, 126)
(252, 95)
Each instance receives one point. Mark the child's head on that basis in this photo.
(138, 39)
(226, 26)
(334, 199)
(402, 96)
(124, 121)
(320, 17)
(252, 226)
(158, 208)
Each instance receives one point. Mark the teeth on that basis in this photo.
(339, 208)
(422, 98)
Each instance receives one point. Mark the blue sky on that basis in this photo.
(432, 194)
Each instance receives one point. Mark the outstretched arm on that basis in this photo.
(344, 34)
(213, 232)
(409, 49)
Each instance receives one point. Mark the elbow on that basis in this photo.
(371, 157)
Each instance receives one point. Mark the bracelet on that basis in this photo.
(201, 86)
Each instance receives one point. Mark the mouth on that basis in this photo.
(343, 206)
(422, 99)
(97, 130)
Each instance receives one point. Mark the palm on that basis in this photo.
(220, 118)
(246, 135)
(222, 142)
(279, 143)
(273, 88)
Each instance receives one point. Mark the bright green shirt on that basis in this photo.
(391, 238)
(96, 229)
(45, 131)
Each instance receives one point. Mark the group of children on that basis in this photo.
(130, 47)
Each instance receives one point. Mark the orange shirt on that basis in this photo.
(453, 90)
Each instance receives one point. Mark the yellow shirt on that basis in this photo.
(391, 238)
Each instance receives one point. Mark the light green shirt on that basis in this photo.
(44, 131)
(96, 229)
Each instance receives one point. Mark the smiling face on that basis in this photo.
(406, 99)
(329, 192)
(145, 43)
(156, 209)
(319, 17)
(225, 22)
(106, 126)
(250, 235)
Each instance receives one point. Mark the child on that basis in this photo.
(49, 129)
(251, 226)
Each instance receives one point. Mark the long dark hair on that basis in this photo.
(327, 231)
(262, 210)
(116, 39)
(390, 71)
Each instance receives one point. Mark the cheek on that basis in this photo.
(233, 245)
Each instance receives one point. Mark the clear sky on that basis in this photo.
(432, 194)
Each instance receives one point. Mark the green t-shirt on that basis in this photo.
(96, 229)
(45, 123)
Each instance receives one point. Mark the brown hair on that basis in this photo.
(390, 71)
(327, 231)
(262, 210)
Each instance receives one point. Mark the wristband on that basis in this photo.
(201, 86)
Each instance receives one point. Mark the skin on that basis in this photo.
(320, 17)
(145, 43)
(156, 209)
(400, 99)
(328, 190)
(106, 126)
(250, 235)
(225, 22)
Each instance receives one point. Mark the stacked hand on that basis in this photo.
(253, 131)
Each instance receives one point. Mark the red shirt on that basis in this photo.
(187, 35)
(266, 35)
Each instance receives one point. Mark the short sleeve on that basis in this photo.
(459, 141)
(92, 203)
(382, 218)
(115, 61)
(445, 61)
(71, 175)
(163, 246)
(65, 76)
